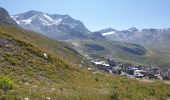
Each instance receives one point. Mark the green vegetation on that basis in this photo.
(6, 84)
(124, 52)
(132, 90)
(58, 76)
(59, 49)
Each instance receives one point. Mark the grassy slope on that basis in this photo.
(151, 58)
(21, 57)
(125, 52)
(54, 47)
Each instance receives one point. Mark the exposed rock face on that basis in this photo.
(5, 18)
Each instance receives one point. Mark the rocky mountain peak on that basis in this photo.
(5, 18)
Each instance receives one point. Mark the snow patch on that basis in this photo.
(48, 17)
(14, 18)
(18, 22)
(58, 21)
(51, 21)
(108, 33)
(27, 21)
(45, 20)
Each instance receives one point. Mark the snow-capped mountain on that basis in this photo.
(64, 27)
(52, 25)
(113, 34)
(145, 37)
(5, 18)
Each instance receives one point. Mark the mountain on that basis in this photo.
(155, 41)
(91, 44)
(5, 18)
(151, 38)
(55, 26)
(113, 34)
(156, 38)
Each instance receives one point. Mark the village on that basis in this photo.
(138, 72)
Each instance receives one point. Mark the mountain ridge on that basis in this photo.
(52, 25)
(153, 38)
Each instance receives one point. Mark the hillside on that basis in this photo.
(120, 51)
(45, 69)
(61, 50)
(26, 65)
(36, 76)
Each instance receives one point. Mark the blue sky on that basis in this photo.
(99, 14)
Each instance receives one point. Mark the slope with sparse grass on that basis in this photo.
(58, 76)
(60, 49)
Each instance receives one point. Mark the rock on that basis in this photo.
(45, 55)
(26, 98)
(7, 45)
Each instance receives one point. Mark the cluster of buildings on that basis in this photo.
(149, 72)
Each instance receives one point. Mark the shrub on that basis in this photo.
(6, 84)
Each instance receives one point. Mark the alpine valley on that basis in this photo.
(49, 57)
(147, 47)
